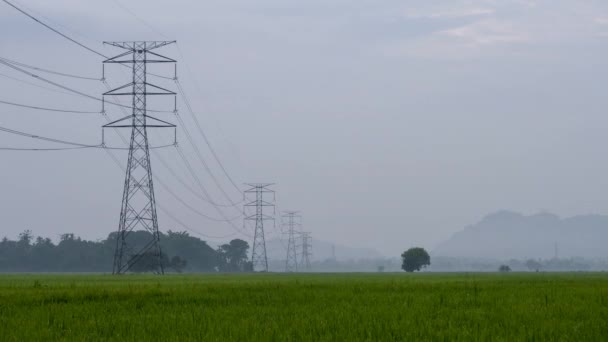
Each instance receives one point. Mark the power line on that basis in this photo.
(33, 136)
(186, 100)
(59, 141)
(49, 81)
(166, 211)
(204, 163)
(186, 186)
(66, 36)
(191, 208)
(199, 127)
(54, 30)
(187, 163)
(46, 108)
(198, 88)
(197, 180)
(37, 85)
(70, 89)
(174, 218)
(202, 132)
(45, 149)
(217, 208)
(78, 92)
(138, 206)
(48, 70)
(73, 148)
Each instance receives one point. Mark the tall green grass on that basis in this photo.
(322, 307)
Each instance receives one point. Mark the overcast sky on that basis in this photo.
(388, 123)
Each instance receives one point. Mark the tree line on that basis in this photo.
(181, 253)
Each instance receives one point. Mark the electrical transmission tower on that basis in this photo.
(306, 251)
(138, 211)
(259, 258)
(291, 263)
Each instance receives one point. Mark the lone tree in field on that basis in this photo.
(504, 268)
(415, 259)
(233, 257)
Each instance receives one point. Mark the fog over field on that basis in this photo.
(387, 123)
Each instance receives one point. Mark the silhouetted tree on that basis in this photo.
(233, 256)
(414, 259)
(177, 264)
(199, 255)
(181, 252)
(504, 268)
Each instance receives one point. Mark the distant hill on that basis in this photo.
(505, 235)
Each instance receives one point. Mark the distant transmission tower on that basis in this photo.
(138, 211)
(291, 263)
(306, 252)
(259, 259)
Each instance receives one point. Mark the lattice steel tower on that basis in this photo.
(291, 263)
(259, 258)
(138, 210)
(306, 251)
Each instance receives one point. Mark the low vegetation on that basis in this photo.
(181, 252)
(321, 307)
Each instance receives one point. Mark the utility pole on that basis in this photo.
(259, 258)
(306, 251)
(291, 263)
(138, 209)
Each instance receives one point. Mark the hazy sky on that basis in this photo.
(387, 123)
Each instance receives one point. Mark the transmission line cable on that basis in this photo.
(45, 149)
(166, 211)
(33, 136)
(47, 109)
(66, 36)
(59, 141)
(70, 39)
(48, 70)
(71, 89)
(215, 156)
(178, 221)
(37, 85)
(205, 164)
(167, 188)
(190, 109)
(197, 86)
(52, 29)
(185, 204)
(202, 132)
(86, 95)
(217, 208)
(185, 185)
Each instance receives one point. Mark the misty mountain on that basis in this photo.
(505, 235)
(321, 250)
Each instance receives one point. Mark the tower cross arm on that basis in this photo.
(136, 45)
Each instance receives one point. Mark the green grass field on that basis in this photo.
(320, 307)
